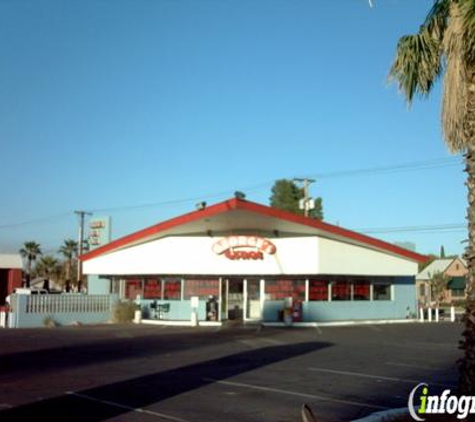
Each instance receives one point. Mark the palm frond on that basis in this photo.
(467, 16)
(437, 19)
(417, 64)
(454, 111)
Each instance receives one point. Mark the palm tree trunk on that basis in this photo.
(28, 276)
(68, 276)
(467, 363)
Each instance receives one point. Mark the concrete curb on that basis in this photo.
(170, 323)
(384, 415)
(173, 323)
(339, 323)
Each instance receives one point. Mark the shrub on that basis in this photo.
(124, 311)
(459, 303)
(49, 322)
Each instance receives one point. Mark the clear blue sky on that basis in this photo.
(111, 103)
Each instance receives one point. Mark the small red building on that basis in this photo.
(10, 275)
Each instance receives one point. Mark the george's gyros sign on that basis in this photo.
(244, 247)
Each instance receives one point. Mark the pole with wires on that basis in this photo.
(81, 215)
(306, 197)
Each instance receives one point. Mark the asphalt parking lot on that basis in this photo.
(150, 373)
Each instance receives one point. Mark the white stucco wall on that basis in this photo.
(343, 258)
(296, 255)
(194, 255)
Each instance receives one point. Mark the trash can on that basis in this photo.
(297, 311)
(211, 309)
(288, 320)
(138, 316)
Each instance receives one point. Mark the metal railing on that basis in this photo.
(65, 303)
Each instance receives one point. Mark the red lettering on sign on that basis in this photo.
(232, 246)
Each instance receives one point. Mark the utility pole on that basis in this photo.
(81, 215)
(306, 183)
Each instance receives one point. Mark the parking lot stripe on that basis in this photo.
(294, 393)
(378, 377)
(271, 341)
(406, 365)
(123, 406)
(252, 344)
(374, 328)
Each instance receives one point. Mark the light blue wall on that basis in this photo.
(19, 318)
(179, 310)
(98, 286)
(404, 297)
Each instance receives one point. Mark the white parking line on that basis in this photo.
(377, 377)
(129, 408)
(252, 344)
(5, 406)
(407, 365)
(271, 341)
(293, 393)
(375, 328)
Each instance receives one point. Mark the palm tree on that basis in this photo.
(438, 284)
(46, 267)
(69, 250)
(30, 251)
(444, 47)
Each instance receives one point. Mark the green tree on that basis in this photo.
(30, 251)
(444, 47)
(47, 267)
(286, 196)
(69, 250)
(438, 284)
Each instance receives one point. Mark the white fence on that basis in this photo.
(53, 304)
(64, 309)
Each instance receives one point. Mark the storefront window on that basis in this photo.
(201, 288)
(318, 290)
(172, 290)
(382, 291)
(133, 288)
(341, 290)
(280, 289)
(152, 289)
(361, 290)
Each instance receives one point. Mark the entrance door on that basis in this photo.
(253, 297)
(235, 299)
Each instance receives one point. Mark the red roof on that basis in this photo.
(252, 207)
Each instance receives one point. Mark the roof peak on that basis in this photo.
(240, 204)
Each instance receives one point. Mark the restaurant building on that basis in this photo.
(10, 275)
(248, 258)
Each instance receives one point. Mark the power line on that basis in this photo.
(421, 229)
(412, 166)
(37, 220)
(415, 166)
